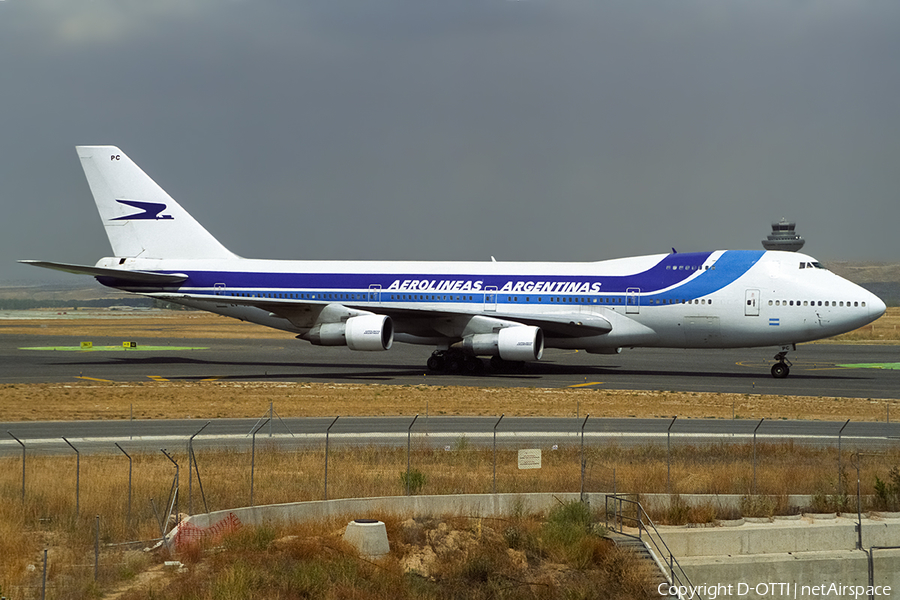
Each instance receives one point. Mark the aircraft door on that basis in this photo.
(220, 291)
(632, 301)
(751, 303)
(375, 293)
(490, 298)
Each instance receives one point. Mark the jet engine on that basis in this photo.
(363, 332)
(510, 343)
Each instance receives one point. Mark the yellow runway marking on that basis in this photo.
(157, 378)
(586, 384)
(211, 379)
(94, 379)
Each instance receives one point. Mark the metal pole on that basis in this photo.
(97, 549)
(173, 505)
(271, 410)
(44, 581)
(494, 489)
(200, 482)
(129, 481)
(23, 463)
(840, 465)
(77, 475)
(587, 416)
(327, 434)
(859, 545)
(669, 457)
(754, 453)
(253, 457)
(191, 469)
(162, 528)
(408, 442)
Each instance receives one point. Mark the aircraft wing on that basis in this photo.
(304, 314)
(121, 275)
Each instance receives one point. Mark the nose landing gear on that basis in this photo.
(782, 368)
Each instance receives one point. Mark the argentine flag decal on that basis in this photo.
(774, 322)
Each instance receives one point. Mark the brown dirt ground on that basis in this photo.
(162, 399)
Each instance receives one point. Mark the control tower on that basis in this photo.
(783, 237)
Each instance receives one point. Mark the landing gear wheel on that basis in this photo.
(780, 370)
(472, 365)
(435, 362)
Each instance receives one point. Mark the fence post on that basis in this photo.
(588, 416)
(97, 549)
(754, 454)
(77, 475)
(253, 457)
(173, 505)
(840, 465)
(191, 471)
(327, 434)
(669, 457)
(129, 482)
(44, 579)
(494, 488)
(408, 443)
(23, 463)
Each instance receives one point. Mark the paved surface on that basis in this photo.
(436, 432)
(816, 370)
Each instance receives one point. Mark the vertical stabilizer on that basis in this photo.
(140, 218)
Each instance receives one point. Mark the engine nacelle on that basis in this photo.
(370, 332)
(510, 343)
(363, 332)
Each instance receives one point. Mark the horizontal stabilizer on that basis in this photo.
(118, 274)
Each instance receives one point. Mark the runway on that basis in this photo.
(853, 371)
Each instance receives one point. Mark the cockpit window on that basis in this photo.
(811, 265)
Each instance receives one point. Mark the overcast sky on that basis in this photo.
(458, 129)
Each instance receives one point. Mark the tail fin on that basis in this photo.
(140, 218)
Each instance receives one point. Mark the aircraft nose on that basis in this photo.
(876, 307)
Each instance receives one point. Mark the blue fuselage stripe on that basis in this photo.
(674, 279)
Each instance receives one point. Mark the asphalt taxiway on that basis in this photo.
(853, 371)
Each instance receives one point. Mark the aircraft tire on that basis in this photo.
(435, 363)
(472, 365)
(780, 370)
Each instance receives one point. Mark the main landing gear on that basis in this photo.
(454, 361)
(782, 368)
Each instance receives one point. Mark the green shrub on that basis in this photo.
(415, 479)
(887, 494)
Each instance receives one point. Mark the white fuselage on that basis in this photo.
(721, 299)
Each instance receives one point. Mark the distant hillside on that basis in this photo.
(882, 279)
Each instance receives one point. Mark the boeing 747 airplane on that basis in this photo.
(505, 311)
